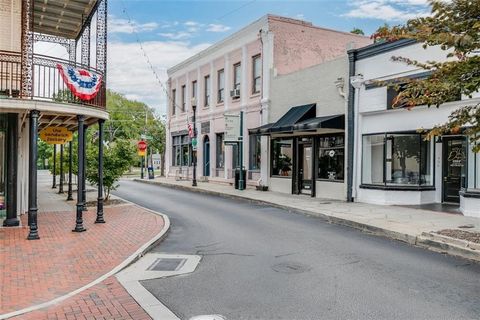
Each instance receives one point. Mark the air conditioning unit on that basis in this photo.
(235, 93)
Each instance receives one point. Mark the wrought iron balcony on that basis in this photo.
(46, 83)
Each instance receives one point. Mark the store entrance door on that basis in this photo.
(206, 156)
(305, 156)
(454, 161)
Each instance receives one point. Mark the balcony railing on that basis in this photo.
(47, 83)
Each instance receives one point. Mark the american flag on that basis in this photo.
(190, 130)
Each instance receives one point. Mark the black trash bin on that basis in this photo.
(237, 178)
(151, 175)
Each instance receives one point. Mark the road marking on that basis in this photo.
(142, 270)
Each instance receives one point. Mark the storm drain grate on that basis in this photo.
(167, 264)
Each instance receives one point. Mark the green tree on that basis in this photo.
(45, 152)
(357, 31)
(118, 156)
(380, 34)
(454, 26)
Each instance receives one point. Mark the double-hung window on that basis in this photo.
(256, 74)
(194, 91)
(184, 98)
(207, 91)
(221, 86)
(237, 77)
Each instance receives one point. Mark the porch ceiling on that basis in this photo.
(68, 121)
(62, 18)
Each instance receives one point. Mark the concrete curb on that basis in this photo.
(128, 261)
(432, 242)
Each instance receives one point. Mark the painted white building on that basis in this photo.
(392, 162)
(236, 75)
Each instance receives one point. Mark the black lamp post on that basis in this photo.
(54, 183)
(70, 165)
(194, 144)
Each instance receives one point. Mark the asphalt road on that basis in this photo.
(265, 263)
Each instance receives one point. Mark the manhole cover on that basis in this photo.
(167, 264)
(290, 267)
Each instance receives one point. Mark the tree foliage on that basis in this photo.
(454, 26)
(118, 156)
(357, 31)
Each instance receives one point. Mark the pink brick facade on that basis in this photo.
(274, 40)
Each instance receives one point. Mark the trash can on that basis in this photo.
(151, 175)
(237, 179)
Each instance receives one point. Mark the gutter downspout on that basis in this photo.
(350, 125)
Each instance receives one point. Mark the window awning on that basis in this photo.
(301, 118)
(293, 116)
(328, 122)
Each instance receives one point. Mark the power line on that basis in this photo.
(137, 38)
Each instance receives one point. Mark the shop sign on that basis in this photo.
(456, 157)
(232, 128)
(56, 135)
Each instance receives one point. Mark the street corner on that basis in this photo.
(77, 262)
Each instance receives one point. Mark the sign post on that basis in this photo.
(234, 135)
(240, 146)
(142, 148)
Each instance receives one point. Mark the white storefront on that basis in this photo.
(392, 162)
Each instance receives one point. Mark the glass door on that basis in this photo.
(305, 167)
(454, 165)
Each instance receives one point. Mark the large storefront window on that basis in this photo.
(400, 159)
(255, 152)
(220, 151)
(181, 151)
(331, 157)
(282, 155)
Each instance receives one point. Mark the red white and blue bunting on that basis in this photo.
(83, 84)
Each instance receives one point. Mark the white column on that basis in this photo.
(228, 81)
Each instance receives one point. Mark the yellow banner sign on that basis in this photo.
(141, 153)
(56, 135)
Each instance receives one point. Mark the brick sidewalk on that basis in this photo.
(106, 300)
(38, 271)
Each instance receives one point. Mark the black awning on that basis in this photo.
(294, 116)
(263, 130)
(328, 122)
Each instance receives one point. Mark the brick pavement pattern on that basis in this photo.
(106, 300)
(61, 261)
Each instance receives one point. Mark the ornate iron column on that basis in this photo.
(60, 189)
(54, 183)
(84, 176)
(81, 150)
(100, 218)
(101, 43)
(70, 167)
(32, 177)
(27, 48)
(12, 161)
(85, 53)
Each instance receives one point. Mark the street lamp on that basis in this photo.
(194, 142)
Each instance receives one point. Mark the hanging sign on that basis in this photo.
(56, 135)
(83, 84)
(232, 128)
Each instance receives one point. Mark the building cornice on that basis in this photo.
(379, 48)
